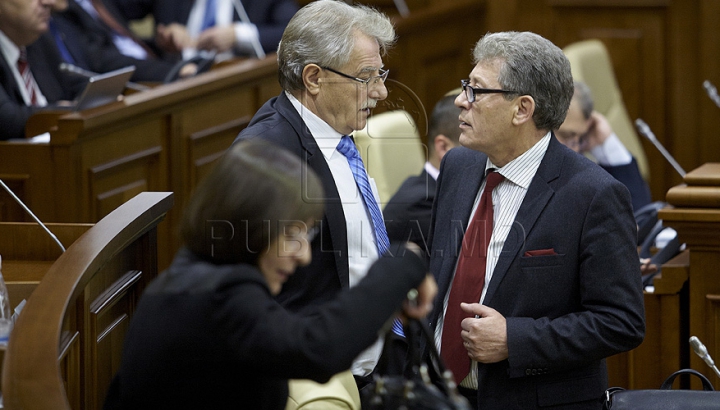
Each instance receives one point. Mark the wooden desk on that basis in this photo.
(67, 343)
(164, 139)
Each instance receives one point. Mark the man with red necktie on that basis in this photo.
(533, 246)
(29, 73)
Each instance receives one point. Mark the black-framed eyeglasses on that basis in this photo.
(470, 91)
(382, 77)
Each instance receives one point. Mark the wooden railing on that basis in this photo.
(67, 342)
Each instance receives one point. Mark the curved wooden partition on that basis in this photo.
(67, 342)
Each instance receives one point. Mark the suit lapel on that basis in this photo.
(535, 201)
(334, 215)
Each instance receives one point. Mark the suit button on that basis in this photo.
(534, 372)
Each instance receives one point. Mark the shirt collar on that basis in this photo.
(10, 51)
(431, 170)
(325, 136)
(522, 169)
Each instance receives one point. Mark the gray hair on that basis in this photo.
(323, 33)
(531, 65)
(584, 97)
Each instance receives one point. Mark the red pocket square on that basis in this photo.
(541, 252)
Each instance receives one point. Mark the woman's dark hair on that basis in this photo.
(250, 196)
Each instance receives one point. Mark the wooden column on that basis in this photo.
(694, 212)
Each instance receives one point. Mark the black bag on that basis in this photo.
(416, 392)
(617, 398)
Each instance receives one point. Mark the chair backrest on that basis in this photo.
(591, 64)
(391, 148)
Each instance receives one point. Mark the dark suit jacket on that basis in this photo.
(91, 45)
(278, 122)
(44, 61)
(630, 176)
(566, 312)
(208, 336)
(270, 16)
(407, 214)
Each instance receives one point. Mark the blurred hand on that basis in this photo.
(485, 337)
(423, 303)
(188, 70)
(598, 132)
(173, 38)
(646, 267)
(220, 39)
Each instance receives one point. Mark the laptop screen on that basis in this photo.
(104, 88)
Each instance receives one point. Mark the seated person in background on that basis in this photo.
(85, 41)
(207, 333)
(29, 73)
(407, 214)
(186, 26)
(585, 130)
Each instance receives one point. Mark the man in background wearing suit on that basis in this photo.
(84, 41)
(330, 70)
(533, 246)
(186, 26)
(586, 130)
(29, 73)
(407, 214)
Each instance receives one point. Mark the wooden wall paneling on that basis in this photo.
(684, 86)
(433, 51)
(30, 181)
(708, 113)
(634, 38)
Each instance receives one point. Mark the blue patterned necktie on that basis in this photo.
(348, 149)
(210, 13)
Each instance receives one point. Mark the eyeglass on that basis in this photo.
(382, 77)
(470, 92)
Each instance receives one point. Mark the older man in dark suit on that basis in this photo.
(185, 26)
(533, 246)
(329, 89)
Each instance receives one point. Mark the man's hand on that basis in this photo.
(423, 302)
(173, 38)
(484, 337)
(598, 132)
(219, 39)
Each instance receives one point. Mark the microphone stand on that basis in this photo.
(245, 19)
(711, 92)
(42, 225)
(644, 129)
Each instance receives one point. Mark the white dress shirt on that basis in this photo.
(245, 33)
(362, 249)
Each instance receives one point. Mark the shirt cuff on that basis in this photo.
(245, 35)
(612, 152)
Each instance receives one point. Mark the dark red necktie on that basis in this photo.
(27, 77)
(469, 280)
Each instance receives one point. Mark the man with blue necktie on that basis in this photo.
(187, 27)
(329, 89)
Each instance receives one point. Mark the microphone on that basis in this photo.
(701, 351)
(711, 92)
(22, 204)
(245, 19)
(79, 71)
(402, 8)
(644, 129)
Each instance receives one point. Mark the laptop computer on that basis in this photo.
(104, 88)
